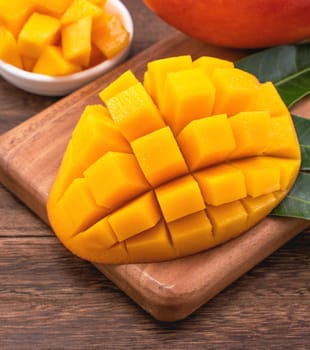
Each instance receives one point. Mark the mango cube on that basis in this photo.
(109, 35)
(268, 99)
(38, 32)
(74, 50)
(129, 110)
(226, 226)
(258, 207)
(216, 184)
(288, 170)
(207, 141)
(209, 64)
(187, 95)
(191, 234)
(252, 133)
(123, 82)
(108, 179)
(146, 212)
(158, 70)
(159, 156)
(84, 210)
(101, 234)
(261, 175)
(9, 52)
(235, 90)
(283, 138)
(14, 14)
(95, 135)
(179, 198)
(54, 8)
(51, 62)
(79, 9)
(151, 244)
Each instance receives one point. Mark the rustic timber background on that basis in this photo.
(52, 300)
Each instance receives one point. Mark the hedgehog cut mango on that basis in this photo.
(193, 156)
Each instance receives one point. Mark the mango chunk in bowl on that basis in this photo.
(53, 48)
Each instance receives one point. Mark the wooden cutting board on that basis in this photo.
(30, 155)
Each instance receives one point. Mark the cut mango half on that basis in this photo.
(190, 158)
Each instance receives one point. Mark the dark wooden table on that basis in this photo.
(50, 299)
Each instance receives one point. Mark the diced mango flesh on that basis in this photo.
(54, 8)
(79, 9)
(252, 132)
(261, 175)
(192, 233)
(158, 70)
(8, 48)
(139, 183)
(235, 90)
(78, 202)
(267, 99)
(257, 208)
(115, 178)
(209, 64)
(110, 36)
(207, 141)
(51, 62)
(216, 184)
(159, 156)
(38, 32)
(153, 244)
(128, 109)
(144, 209)
(179, 198)
(77, 50)
(228, 220)
(188, 95)
(84, 32)
(14, 14)
(123, 82)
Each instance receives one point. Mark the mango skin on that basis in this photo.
(238, 24)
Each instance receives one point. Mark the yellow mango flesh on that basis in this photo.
(84, 32)
(109, 35)
(154, 174)
(55, 8)
(158, 70)
(74, 50)
(51, 62)
(38, 32)
(193, 96)
(8, 48)
(14, 14)
(79, 9)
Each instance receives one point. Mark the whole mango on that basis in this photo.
(238, 24)
(195, 156)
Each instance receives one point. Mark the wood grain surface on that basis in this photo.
(52, 300)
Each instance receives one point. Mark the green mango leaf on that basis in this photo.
(288, 67)
(302, 126)
(294, 89)
(297, 202)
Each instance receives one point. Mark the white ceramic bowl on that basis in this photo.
(59, 86)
